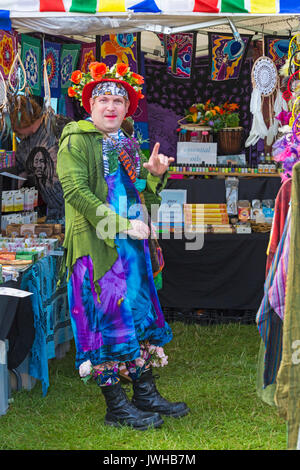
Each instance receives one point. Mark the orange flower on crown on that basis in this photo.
(97, 69)
(122, 69)
(71, 92)
(140, 95)
(138, 78)
(76, 76)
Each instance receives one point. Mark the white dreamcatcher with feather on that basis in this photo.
(266, 84)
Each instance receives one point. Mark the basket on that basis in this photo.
(230, 140)
(260, 227)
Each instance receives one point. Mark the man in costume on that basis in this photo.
(114, 306)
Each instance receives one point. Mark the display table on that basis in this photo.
(201, 190)
(227, 273)
(41, 321)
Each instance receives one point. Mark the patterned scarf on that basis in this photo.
(129, 165)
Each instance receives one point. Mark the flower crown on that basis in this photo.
(98, 71)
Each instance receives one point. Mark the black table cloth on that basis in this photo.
(16, 325)
(227, 273)
(200, 190)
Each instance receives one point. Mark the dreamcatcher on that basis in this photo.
(265, 83)
(13, 93)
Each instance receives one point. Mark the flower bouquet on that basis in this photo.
(215, 116)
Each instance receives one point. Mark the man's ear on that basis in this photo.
(127, 105)
(91, 101)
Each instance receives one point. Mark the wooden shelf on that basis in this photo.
(253, 175)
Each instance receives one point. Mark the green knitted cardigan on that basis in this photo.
(80, 171)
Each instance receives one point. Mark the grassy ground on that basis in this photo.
(212, 368)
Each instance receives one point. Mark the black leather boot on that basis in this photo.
(120, 411)
(147, 398)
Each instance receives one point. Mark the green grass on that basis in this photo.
(212, 368)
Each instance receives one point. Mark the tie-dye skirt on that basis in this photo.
(129, 310)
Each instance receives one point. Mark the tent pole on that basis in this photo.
(98, 48)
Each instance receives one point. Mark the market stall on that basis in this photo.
(211, 61)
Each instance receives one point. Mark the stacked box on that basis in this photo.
(205, 214)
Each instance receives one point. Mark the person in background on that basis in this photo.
(114, 306)
(27, 121)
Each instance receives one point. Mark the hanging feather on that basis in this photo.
(284, 70)
(49, 117)
(28, 104)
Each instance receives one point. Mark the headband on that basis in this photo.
(109, 88)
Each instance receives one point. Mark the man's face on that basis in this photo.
(39, 164)
(108, 112)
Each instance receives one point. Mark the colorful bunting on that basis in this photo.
(288, 6)
(31, 58)
(52, 5)
(147, 6)
(68, 63)
(263, 6)
(5, 22)
(86, 6)
(112, 5)
(206, 6)
(233, 6)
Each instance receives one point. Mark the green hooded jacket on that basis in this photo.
(88, 218)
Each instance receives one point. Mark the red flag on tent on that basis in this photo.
(203, 6)
(52, 5)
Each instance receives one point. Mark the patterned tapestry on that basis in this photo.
(180, 53)
(123, 47)
(52, 57)
(31, 58)
(277, 47)
(68, 63)
(88, 55)
(8, 50)
(227, 56)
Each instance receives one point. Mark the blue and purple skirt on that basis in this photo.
(129, 311)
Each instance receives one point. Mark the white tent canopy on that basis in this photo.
(86, 27)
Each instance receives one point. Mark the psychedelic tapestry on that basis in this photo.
(123, 47)
(68, 62)
(180, 52)
(52, 57)
(88, 55)
(227, 55)
(8, 50)
(277, 47)
(31, 58)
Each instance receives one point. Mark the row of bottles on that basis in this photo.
(229, 168)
